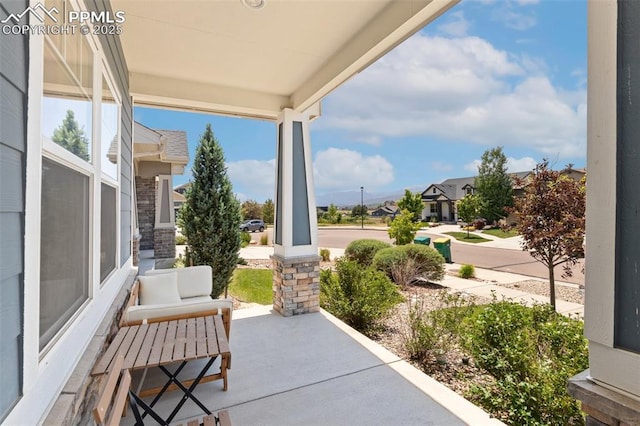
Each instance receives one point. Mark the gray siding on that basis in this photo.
(13, 125)
(118, 66)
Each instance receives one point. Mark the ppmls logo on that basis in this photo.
(33, 11)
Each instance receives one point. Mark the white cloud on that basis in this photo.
(461, 89)
(523, 164)
(370, 140)
(512, 19)
(339, 168)
(254, 176)
(473, 166)
(527, 2)
(457, 25)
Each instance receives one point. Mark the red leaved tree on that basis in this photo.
(551, 220)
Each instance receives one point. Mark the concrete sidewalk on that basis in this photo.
(513, 243)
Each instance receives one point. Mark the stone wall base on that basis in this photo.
(135, 248)
(80, 394)
(296, 285)
(603, 406)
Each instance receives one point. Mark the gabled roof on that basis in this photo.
(456, 188)
(177, 147)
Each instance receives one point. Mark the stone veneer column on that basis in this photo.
(135, 249)
(296, 264)
(296, 285)
(164, 243)
(146, 203)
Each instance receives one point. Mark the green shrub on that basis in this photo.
(432, 332)
(241, 261)
(467, 271)
(245, 239)
(264, 239)
(363, 251)
(325, 254)
(531, 352)
(181, 240)
(410, 262)
(359, 296)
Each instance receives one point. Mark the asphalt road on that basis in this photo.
(515, 261)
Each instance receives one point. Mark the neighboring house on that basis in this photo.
(440, 198)
(387, 210)
(157, 156)
(178, 201)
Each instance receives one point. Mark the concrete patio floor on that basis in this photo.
(314, 370)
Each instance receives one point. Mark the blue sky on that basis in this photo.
(487, 73)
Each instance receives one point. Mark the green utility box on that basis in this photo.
(422, 240)
(443, 245)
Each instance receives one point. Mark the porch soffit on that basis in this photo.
(223, 57)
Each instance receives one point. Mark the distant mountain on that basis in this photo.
(352, 198)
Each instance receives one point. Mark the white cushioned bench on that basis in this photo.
(168, 294)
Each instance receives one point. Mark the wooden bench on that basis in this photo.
(112, 402)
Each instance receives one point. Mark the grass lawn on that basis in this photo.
(462, 236)
(252, 286)
(500, 233)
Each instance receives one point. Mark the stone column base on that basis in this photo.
(603, 406)
(296, 285)
(164, 243)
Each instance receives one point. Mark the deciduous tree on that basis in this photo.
(551, 220)
(493, 185)
(413, 203)
(268, 211)
(403, 229)
(211, 214)
(468, 209)
(359, 210)
(251, 210)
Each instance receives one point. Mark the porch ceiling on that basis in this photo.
(223, 57)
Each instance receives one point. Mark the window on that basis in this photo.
(108, 231)
(433, 208)
(80, 179)
(434, 190)
(64, 246)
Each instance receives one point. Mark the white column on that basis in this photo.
(296, 227)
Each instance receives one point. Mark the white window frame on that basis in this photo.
(608, 366)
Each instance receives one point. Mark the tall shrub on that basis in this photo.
(357, 295)
(363, 251)
(403, 229)
(422, 261)
(211, 215)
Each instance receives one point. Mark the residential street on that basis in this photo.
(507, 260)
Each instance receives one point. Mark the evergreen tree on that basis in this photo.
(211, 214)
(71, 137)
(493, 185)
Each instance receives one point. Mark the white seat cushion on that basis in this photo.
(192, 281)
(159, 289)
(150, 312)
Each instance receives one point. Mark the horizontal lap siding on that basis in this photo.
(13, 125)
(117, 64)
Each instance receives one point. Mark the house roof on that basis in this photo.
(177, 147)
(164, 145)
(388, 209)
(224, 57)
(455, 188)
